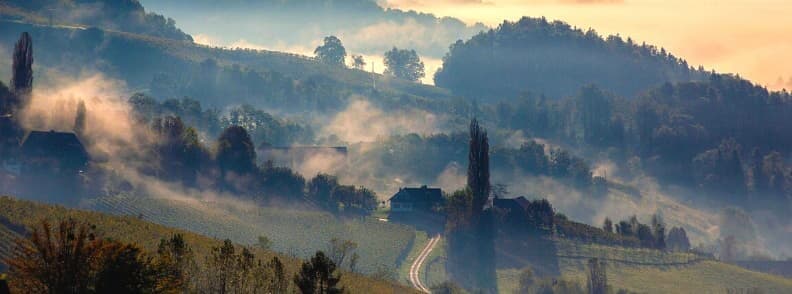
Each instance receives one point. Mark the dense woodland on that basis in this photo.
(554, 59)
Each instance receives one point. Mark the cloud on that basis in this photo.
(110, 129)
(362, 121)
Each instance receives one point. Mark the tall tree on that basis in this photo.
(404, 64)
(235, 151)
(332, 51)
(22, 70)
(79, 118)
(478, 173)
(597, 277)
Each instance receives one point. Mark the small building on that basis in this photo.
(519, 204)
(54, 152)
(295, 157)
(511, 211)
(423, 199)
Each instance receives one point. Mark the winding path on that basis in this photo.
(415, 268)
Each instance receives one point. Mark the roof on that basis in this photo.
(422, 194)
(305, 149)
(519, 203)
(61, 145)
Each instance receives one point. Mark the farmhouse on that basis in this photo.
(423, 199)
(519, 204)
(54, 152)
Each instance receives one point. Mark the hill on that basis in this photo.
(366, 27)
(555, 59)
(382, 246)
(216, 77)
(147, 235)
(126, 15)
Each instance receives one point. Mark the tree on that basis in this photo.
(22, 70)
(222, 268)
(175, 256)
(340, 250)
(527, 280)
(358, 62)
(404, 64)
(79, 118)
(597, 277)
(658, 230)
(60, 263)
(677, 240)
(235, 151)
(279, 283)
(447, 288)
(124, 269)
(317, 276)
(607, 225)
(321, 188)
(478, 177)
(331, 52)
(264, 243)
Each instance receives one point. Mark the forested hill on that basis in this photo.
(363, 25)
(217, 77)
(119, 15)
(555, 59)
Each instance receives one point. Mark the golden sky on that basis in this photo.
(751, 38)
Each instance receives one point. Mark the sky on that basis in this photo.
(751, 38)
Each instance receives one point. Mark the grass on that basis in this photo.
(421, 239)
(651, 271)
(295, 232)
(434, 267)
(147, 235)
(636, 270)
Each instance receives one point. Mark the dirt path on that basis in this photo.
(415, 268)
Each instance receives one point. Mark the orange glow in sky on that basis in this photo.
(751, 38)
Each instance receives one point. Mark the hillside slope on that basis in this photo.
(147, 235)
(217, 77)
(381, 246)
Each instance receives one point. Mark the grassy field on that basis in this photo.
(651, 271)
(637, 270)
(147, 235)
(299, 233)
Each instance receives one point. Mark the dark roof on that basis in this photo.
(519, 203)
(61, 145)
(422, 194)
(305, 149)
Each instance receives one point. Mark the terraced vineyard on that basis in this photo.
(295, 232)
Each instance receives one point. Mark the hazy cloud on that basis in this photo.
(362, 121)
